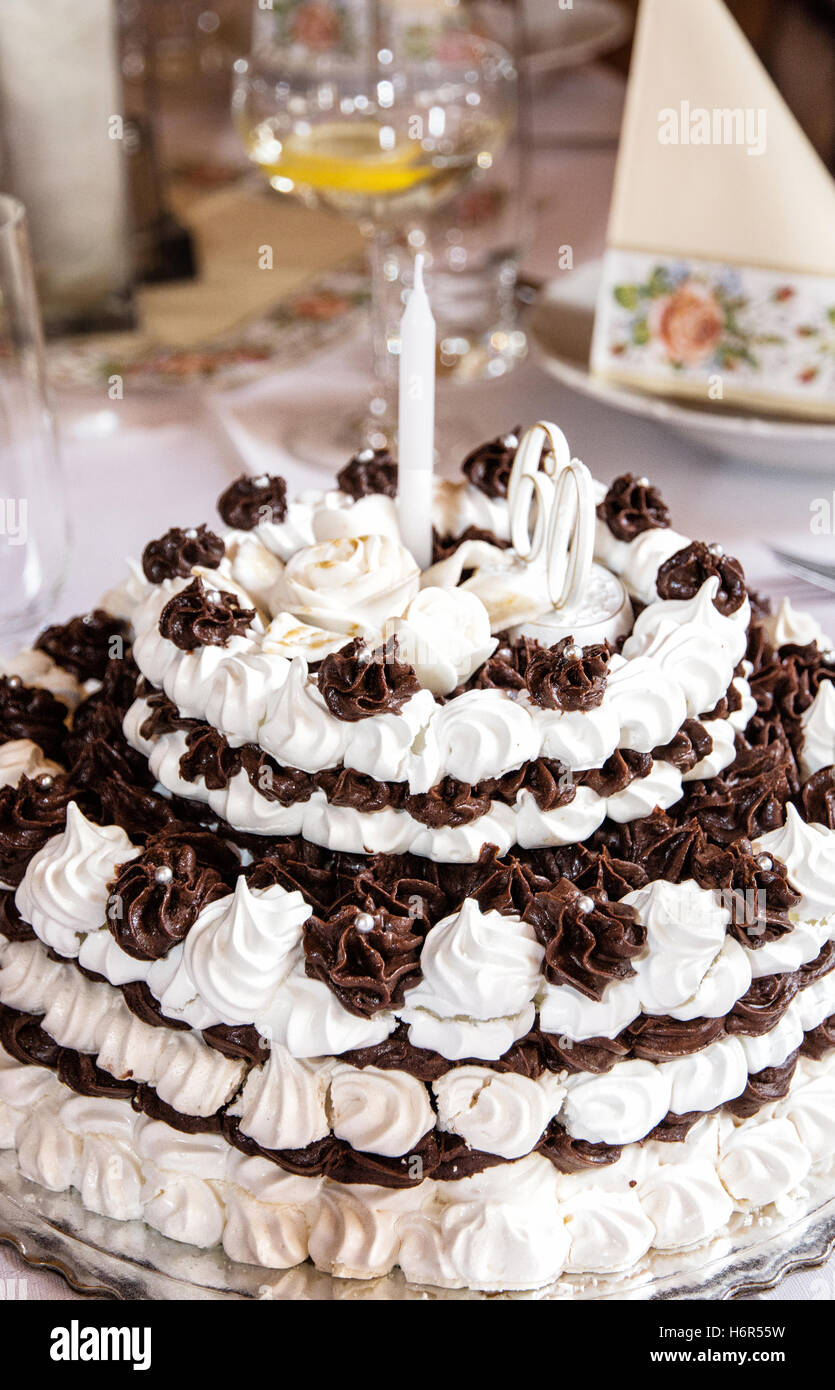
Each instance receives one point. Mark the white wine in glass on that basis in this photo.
(368, 170)
(378, 138)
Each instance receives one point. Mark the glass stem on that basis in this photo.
(382, 408)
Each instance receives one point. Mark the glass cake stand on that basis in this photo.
(127, 1260)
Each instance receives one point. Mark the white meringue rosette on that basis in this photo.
(20, 757)
(240, 690)
(37, 669)
(299, 730)
(818, 725)
(340, 517)
(484, 734)
(478, 968)
(692, 643)
(242, 947)
(638, 561)
(445, 635)
(284, 538)
(789, 627)
(808, 852)
(376, 1111)
(283, 1104)
(497, 1112)
(64, 892)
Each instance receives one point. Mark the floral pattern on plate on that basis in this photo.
(296, 328)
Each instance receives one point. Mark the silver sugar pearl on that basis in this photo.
(716, 550)
(510, 441)
(14, 682)
(365, 456)
(213, 595)
(573, 652)
(261, 481)
(190, 534)
(585, 904)
(764, 861)
(163, 874)
(46, 781)
(642, 482)
(364, 922)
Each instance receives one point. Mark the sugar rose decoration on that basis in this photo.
(353, 583)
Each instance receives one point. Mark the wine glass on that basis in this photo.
(380, 122)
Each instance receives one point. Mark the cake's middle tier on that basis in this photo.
(539, 803)
(386, 1100)
(616, 1014)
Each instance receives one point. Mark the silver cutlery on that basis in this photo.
(814, 572)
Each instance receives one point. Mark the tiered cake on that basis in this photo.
(343, 918)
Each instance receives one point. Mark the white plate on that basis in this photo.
(560, 329)
(566, 38)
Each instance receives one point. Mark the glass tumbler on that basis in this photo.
(33, 517)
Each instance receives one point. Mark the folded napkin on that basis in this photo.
(719, 278)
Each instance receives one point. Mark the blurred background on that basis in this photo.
(120, 112)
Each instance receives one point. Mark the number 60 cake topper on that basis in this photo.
(552, 513)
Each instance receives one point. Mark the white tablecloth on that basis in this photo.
(138, 466)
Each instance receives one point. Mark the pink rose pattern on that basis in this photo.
(689, 322)
(316, 25)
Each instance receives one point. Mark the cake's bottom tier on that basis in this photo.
(514, 1226)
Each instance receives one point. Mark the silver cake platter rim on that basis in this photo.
(108, 1259)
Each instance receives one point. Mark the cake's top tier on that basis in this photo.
(308, 640)
(310, 630)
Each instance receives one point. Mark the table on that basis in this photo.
(138, 466)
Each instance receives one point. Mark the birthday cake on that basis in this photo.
(474, 922)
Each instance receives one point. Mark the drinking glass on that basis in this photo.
(33, 519)
(361, 115)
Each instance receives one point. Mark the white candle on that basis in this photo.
(416, 422)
